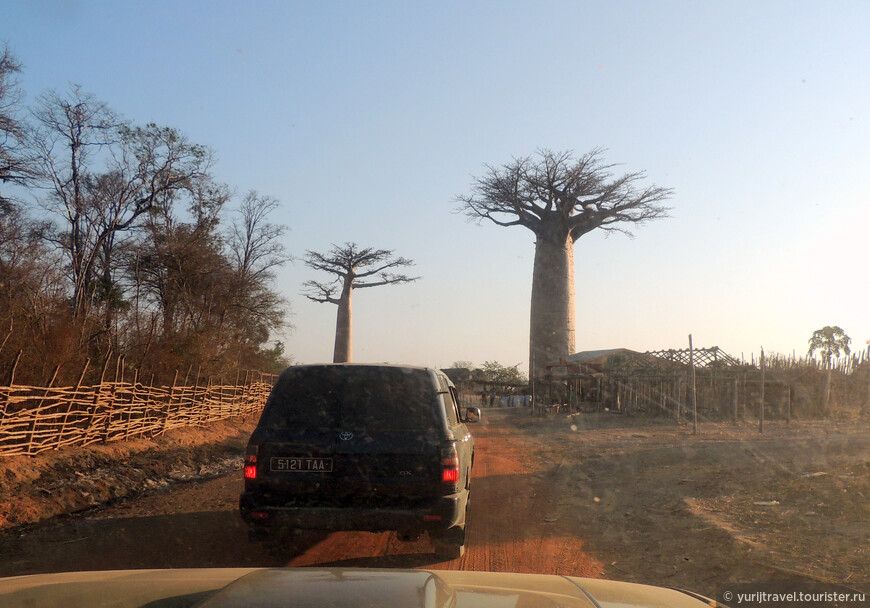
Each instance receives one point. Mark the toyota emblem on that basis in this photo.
(346, 436)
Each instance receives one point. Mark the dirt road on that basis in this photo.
(197, 524)
(592, 495)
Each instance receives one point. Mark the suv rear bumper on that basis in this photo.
(446, 512)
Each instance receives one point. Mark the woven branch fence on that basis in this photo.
(37, 419)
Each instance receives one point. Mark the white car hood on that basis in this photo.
(328, 587)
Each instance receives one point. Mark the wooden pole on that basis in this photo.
(149, 400)
(195, 390)
(169, 403)
(694, 393)
(600, 387)
(10, 383)
(236, 404)
(761, 413)
(827, 394)
(206, 407)
(14, 367)
(96, 400)
(734, 399)
(36, 414)
(867, 402)
(70, 404)
(132, 403)
(110, 409)
(8, 333)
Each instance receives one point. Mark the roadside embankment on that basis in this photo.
(35, 488)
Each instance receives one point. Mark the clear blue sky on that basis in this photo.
(367, 119)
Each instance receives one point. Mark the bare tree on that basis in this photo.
(136, 169)
(14, 164)
(255, 242)
(560, 198)
(353, 268)
(256, 250)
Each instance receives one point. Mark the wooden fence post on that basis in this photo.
(237, 409)
(14, 367)
(11, 382)
(127, 431)
(221, 396)
(36, 413)
(761, 414)
(195, 389)
(70, 404)
(110, 409)
(169, 404)
(827, 394)
(149, 399)
(694, 393)
(206, 402)
(96, 400)
(867, 402)
(246, 392)
(8, 333)
(734, 398)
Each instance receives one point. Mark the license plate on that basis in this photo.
(300, 464)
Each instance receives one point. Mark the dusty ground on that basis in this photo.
(590, 495)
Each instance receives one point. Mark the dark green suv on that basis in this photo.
(361, 447)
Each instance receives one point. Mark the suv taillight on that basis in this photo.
(449, 465)
(251, 462)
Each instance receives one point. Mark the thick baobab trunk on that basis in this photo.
(552, 311)
(343, 352)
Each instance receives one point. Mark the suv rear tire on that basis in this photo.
(450, 544)
(448, 550)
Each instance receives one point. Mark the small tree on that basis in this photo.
(829, 341)
(494, 371)
(351, 266)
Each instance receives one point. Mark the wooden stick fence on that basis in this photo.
(37, 419)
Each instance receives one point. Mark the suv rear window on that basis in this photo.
(352, 397)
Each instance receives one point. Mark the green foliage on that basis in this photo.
(493, 371)
(829, 341)
(615, 362)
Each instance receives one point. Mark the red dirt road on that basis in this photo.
(513, 527)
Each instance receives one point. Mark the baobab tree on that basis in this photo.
(560, 197)
(353, 268)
